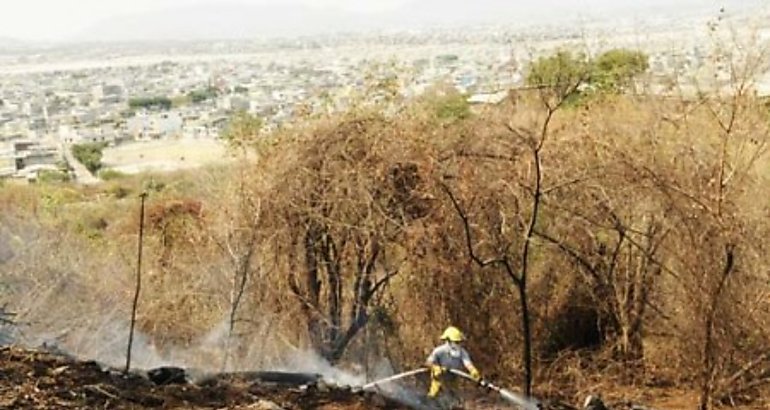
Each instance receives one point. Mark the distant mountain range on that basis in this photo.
(220, 21)
(9, 42)
(238, 21)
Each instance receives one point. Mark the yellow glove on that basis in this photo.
(475, 374)
(436, 371)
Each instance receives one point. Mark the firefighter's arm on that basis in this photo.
(474, 372)
(435, 369)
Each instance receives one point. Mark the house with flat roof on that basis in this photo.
(32, 153)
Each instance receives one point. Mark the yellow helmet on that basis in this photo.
(453, 334)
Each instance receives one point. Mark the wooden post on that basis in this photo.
(143, 197)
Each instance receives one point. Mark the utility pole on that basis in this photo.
(143, 197)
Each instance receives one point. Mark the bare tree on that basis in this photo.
(239, 244)
(557, 88)
(742, 141)
(335, 215)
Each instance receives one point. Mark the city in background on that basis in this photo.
(162, 105)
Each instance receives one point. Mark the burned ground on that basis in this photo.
(31, 379)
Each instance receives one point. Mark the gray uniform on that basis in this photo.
(452, 356)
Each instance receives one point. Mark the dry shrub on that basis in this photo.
(338, 197)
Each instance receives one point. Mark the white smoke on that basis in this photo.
(206, 354)
(7, 329)
(105, 341)
(310, 362)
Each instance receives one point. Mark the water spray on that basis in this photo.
(519, 400)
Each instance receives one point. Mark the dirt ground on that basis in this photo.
(40, 380)
(35, 379)
(164, 155)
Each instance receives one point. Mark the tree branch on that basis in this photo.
(382, 282)
(467, 230)
(572, 254)
(732, 380)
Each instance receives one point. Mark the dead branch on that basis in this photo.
(729, 384)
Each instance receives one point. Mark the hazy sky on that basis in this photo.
(50, 19)
(60, 19)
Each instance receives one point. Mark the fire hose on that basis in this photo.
(394, 378)
(521, 401)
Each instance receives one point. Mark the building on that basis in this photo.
(24, 158)
(29, 153)
(155, 126)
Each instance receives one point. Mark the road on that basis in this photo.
(82, 174)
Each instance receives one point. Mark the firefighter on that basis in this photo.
(449, 355)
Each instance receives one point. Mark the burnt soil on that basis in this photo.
(31, 379)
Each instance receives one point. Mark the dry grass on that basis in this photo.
(164, 156)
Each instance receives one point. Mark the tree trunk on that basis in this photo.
(709, 351)
(527, 332)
